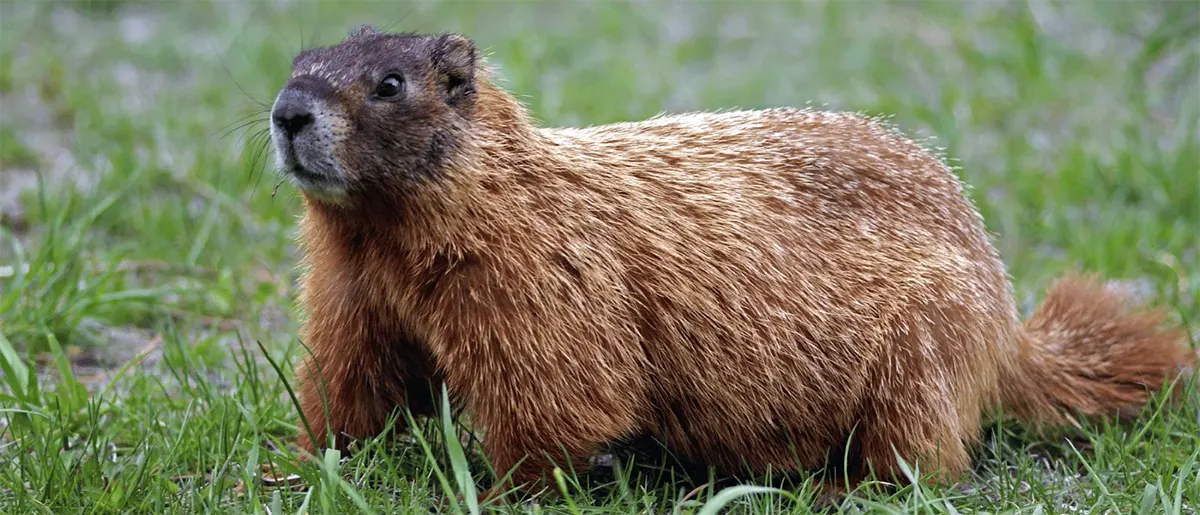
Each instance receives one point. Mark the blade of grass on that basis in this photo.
(458, 460)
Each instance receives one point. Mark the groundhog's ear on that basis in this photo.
(456, 60)
(363, 30)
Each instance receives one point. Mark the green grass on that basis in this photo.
(146, 290)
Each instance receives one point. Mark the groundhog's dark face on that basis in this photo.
(373, 114)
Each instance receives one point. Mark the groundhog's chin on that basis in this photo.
(318, 183)
(318, 187)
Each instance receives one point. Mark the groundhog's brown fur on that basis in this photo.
(749, 287)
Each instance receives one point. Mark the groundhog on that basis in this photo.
(780, 288)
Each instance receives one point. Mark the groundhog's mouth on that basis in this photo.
(305, 175)
(321, 185)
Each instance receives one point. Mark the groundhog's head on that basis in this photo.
(373, 113)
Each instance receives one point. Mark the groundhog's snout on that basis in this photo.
(292, 113)
(303, 130)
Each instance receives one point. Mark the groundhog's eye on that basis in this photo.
(390, 86)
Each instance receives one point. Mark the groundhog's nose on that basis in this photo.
(292, 112)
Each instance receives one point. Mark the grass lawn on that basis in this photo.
(147, 264)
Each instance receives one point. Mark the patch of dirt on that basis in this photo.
(38, 131)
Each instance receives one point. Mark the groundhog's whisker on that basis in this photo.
(243, 122)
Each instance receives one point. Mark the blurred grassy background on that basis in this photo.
(1077, 124)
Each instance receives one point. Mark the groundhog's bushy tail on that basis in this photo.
(1090, 351)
